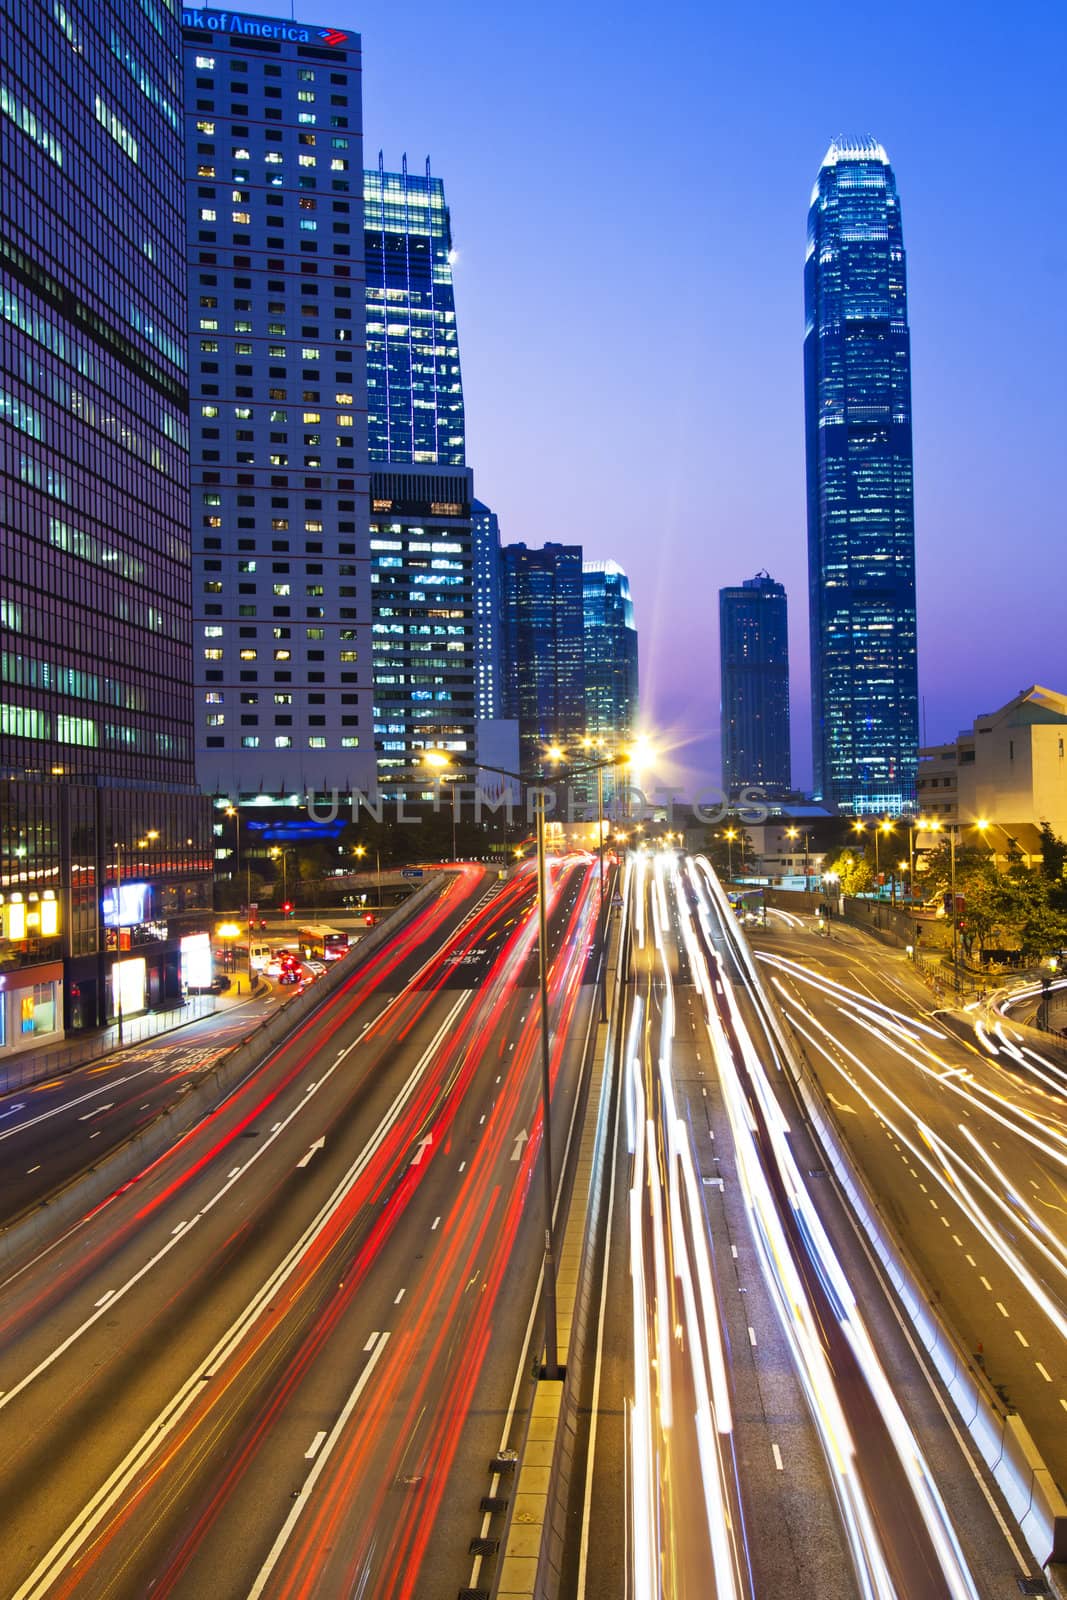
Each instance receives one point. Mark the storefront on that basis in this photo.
(31, 1007)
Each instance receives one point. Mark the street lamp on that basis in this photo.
(1048, 972)
(279, 850)
(439, 761)
(360, 851)
(553, 754)
(983, 825)
(730, 835)
(934, 825)
(794, 833)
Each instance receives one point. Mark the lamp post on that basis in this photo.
(118, 937)
(1048, 972)
(590, 743)
(934, 825)
(439, 761)
(794, 833)
(232, 811)
(280, 851)
(983, 824)
(360, 851)
(730, 835)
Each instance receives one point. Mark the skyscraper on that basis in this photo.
(274, 166)
(488, 612)
(610, 653)
(96, 705)
(414, 389)
(861, 532)
(754, 657)
(544, 660)
(422, 584)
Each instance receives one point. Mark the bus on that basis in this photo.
(321, 943)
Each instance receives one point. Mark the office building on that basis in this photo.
(1008, 770)
(96, 706)
(544, 655)
(610, 660)
(414, 389)
(861, 533)
(274, 210)
(754, 661)
(422, 587)
(488, 612)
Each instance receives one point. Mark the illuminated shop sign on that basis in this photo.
(261, 28)
(134, 905)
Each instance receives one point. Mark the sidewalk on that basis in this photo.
(34, 1066)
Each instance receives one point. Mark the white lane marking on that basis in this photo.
(423, 1146)
(399, 1297)
(370, 1342)
(777, 1454)
(403, 1094)
(733, 1251)
(79, 1100)
(752, 1337)
(985, 1282)
(435, 1224)
(183, 1224)
(313, 1476)
(1023, 1340)
(233, 1172)
(37, 1168)
(320, 1144)
(462, 1165)
(105, 1297)
(10, 1112)
(1002, 1308)
(1043, 1372)
(516, 1149)
(313, 1448)
(95, 1135)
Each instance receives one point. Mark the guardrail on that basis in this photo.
(34, 1066)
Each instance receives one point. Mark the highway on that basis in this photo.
(280, 1362)
(963, 1140)
(794, 1445)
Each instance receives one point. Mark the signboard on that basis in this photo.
(261, 27)
(411, 872)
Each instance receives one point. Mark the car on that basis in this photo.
(289, 975)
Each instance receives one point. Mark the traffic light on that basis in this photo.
(946, 901)
(287, 908)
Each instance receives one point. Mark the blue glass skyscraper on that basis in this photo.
(754, 654)
(414, 388)
(861, 531)
(610, 650)
(544, 657)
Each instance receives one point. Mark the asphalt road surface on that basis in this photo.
(280, 1362)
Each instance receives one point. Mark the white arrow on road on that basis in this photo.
(516, 1154)
(89, 1115)
(421, 1151)
(318, 1145)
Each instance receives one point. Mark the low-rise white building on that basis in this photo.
(1008, 771)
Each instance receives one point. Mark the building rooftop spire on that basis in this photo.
(863, 147)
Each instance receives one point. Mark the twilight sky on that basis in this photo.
(629, 191)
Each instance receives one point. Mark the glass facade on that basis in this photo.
(610, 654)
(414, 388)
(274, 218)
(544, 648)
(488, 619)
(754, 658)
(861, 532)
(422, 598)
(96, 704)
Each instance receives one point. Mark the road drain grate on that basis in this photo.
(484, 1547)
(494, 1502)
(1033, 1586)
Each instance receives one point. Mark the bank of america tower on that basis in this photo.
(861, 530)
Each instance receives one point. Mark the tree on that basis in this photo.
(853, 871)
(1053, 855)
